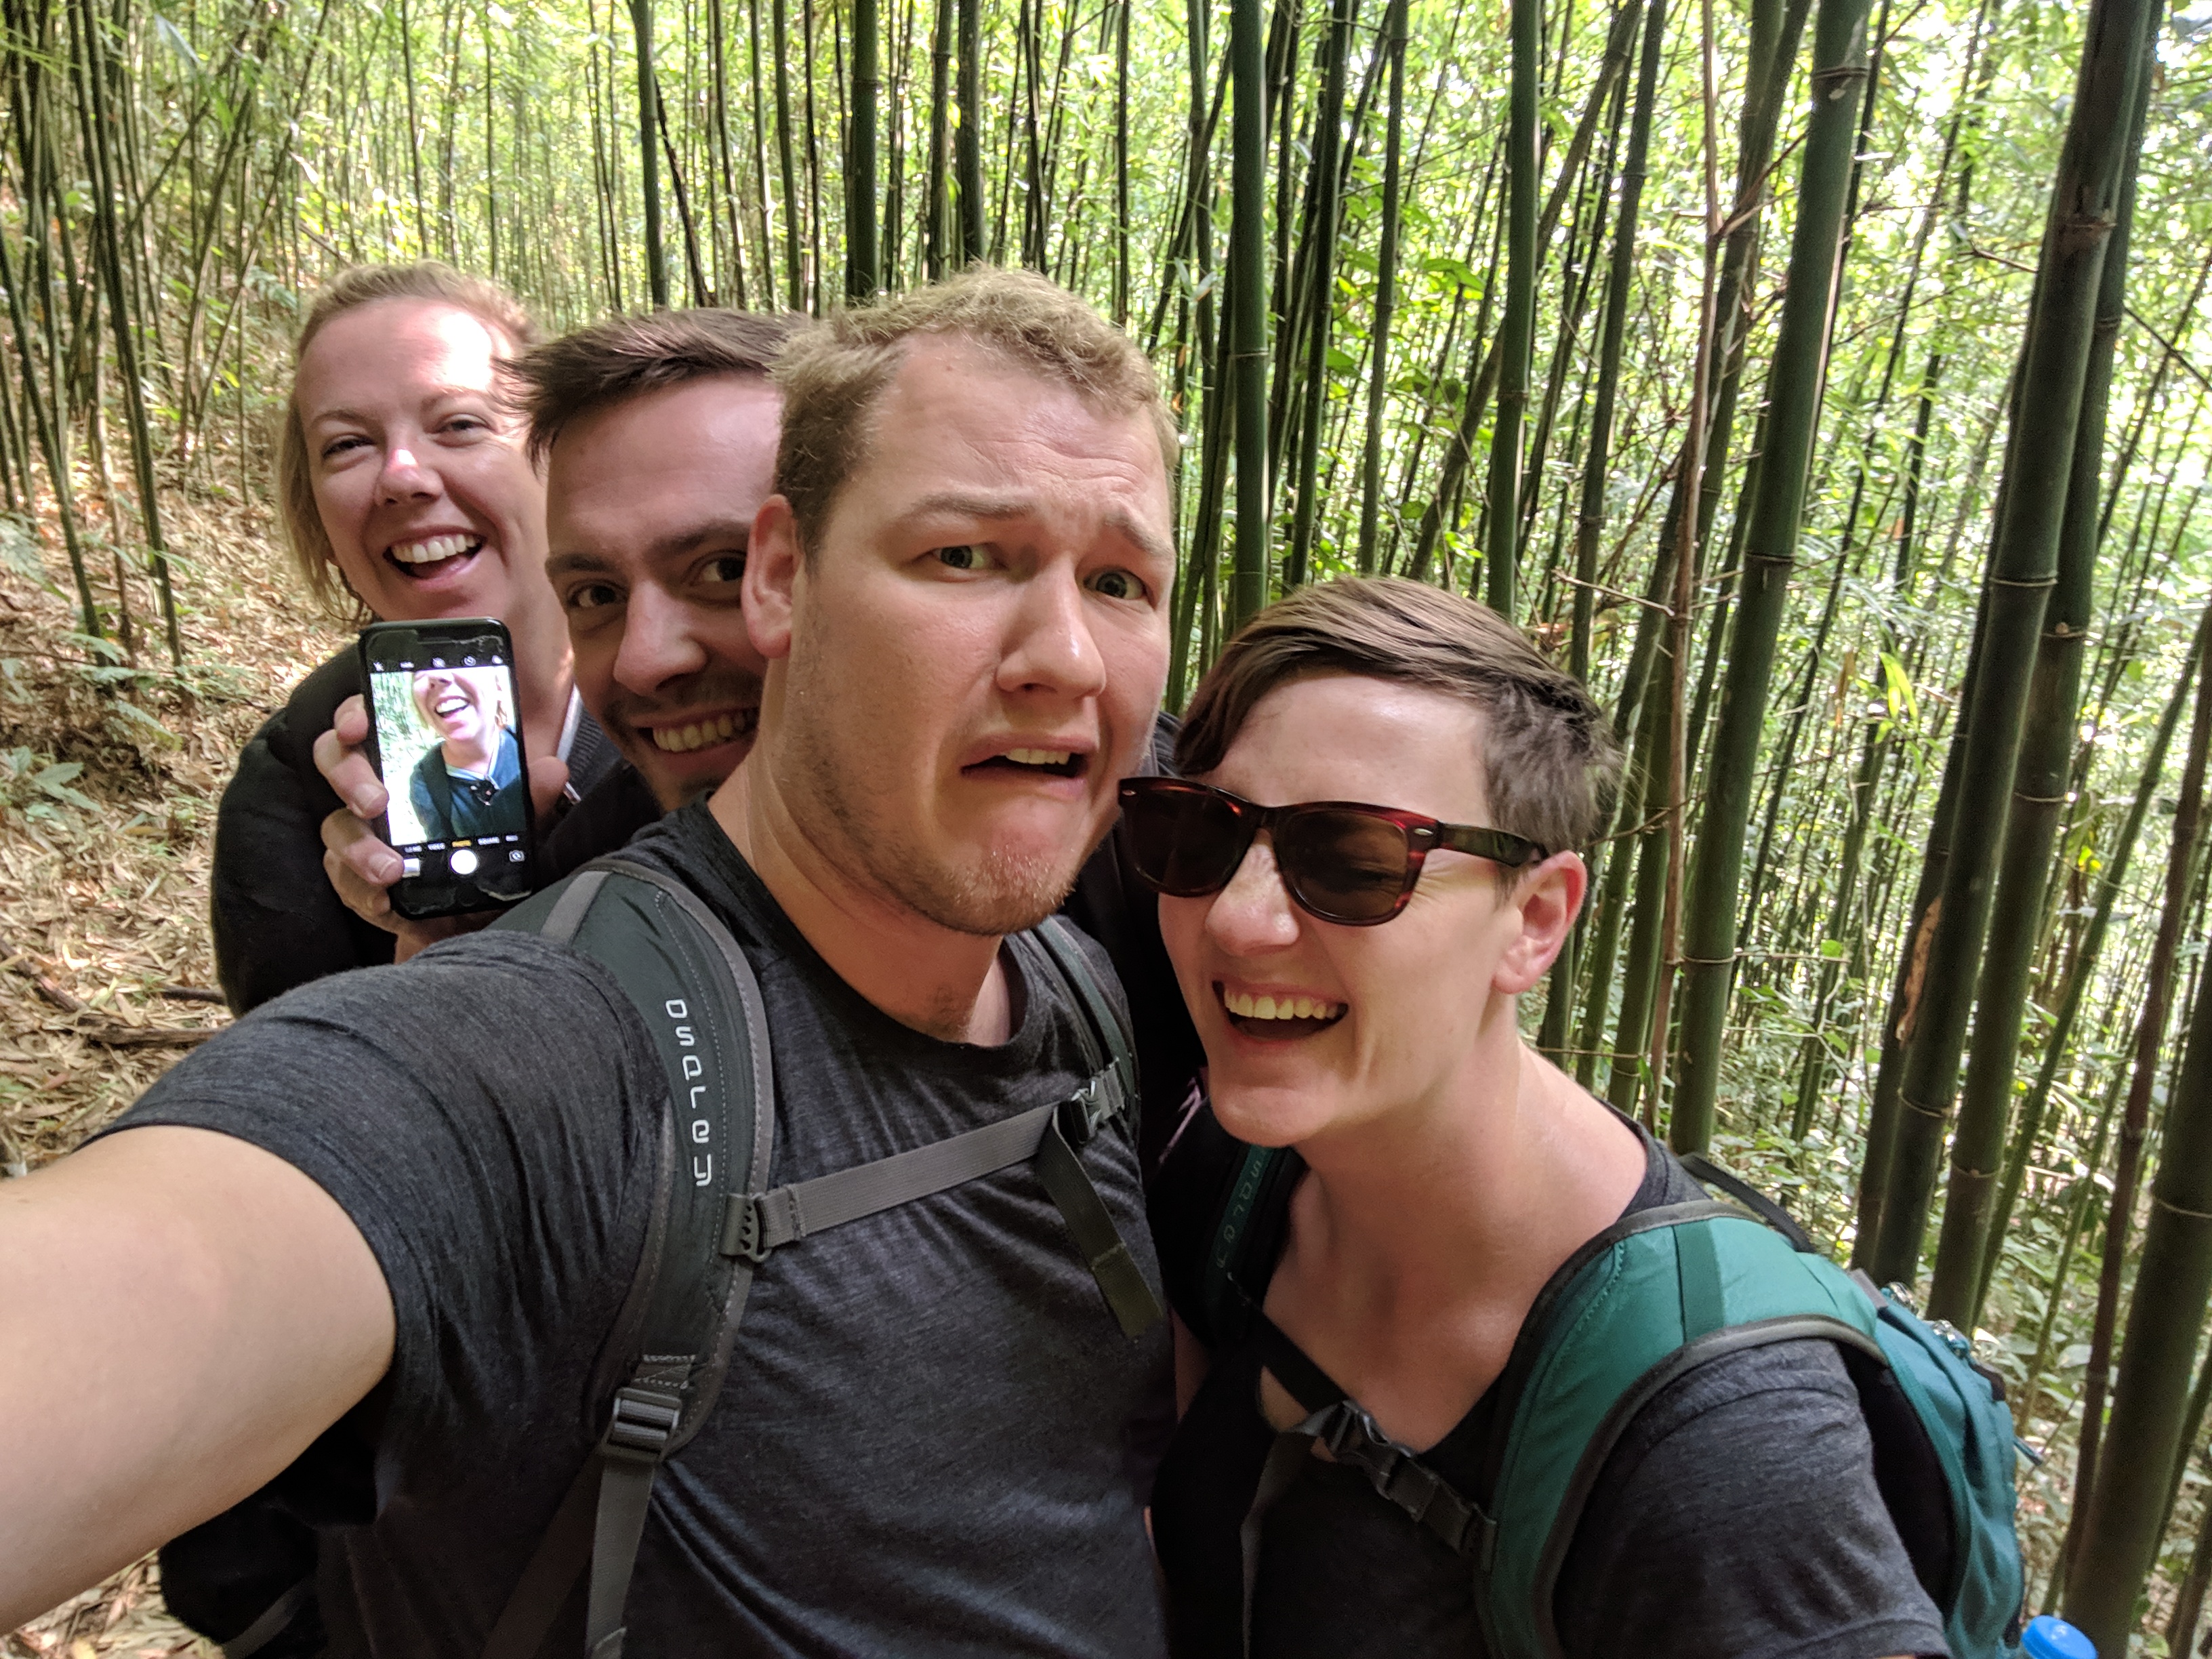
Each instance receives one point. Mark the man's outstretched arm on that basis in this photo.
(181, 1314)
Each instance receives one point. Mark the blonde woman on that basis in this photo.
(406, 496)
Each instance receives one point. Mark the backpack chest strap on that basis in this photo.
(1335, 1420)
(755, 1224)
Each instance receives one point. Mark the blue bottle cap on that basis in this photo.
(2053, 1638)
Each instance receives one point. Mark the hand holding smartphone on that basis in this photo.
(446, 739)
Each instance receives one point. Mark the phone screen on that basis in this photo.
(449, 752)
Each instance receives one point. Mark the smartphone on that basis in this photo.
(446, 739)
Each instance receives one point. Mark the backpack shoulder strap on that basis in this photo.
(1658, 1294)
(1110, 1096)
(671, 1344)
(1102, 1028)
(1251, 1207)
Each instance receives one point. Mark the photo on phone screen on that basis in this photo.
(449, 752)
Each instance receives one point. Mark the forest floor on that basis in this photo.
(111, 767)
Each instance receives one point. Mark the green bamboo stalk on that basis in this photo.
(1247, 295)
(937, 225)
(1122, 216)
(1794, 388)
(50, 448)
(2023, 562)
(2120, 1533)
(2051, 726)
(693, 262)
(760, 146)
(1639, 979)
(414, 125)
(648, 152)
(110, 260)
(2188, 1596)
(1328, 121)
(2135, 1122)
(1386, 287)
(863, 265)
(2111, 880)
(1487, 349)
(1880, 741)
(1517, 329)
(967, 140)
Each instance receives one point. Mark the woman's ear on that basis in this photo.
(773, 560)
(1548, 899)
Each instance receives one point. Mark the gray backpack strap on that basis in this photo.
(700, 1000)
(762, 1222)
(1047, 1136)
(1110, 1096)
(1101, 1022)
(713, 1225)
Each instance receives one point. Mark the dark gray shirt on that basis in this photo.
(932, 1438)
(1737, 1518)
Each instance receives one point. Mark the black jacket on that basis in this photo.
(278, 922)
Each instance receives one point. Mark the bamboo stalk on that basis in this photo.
(2134, 1127)
(1247, 294)
(1793, 389)
(2119, 1531)
(2023, 563)
(1386, 287)
(1516, 330)
(2051, 724)
(863, 263)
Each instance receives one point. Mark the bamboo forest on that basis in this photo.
(1825, 381)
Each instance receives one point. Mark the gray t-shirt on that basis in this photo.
(934, 1438)
(1737, 1517)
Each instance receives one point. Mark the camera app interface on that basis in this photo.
(446, 731)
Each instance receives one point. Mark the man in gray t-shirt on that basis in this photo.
(410, 1198)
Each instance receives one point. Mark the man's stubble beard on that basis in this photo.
(1007, 894)
(623, 709)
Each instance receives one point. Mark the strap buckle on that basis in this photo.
(1082, 1113)
(1398, 1475)
(744, 1228)
(644, 1420)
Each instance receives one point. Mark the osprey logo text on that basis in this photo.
(702, 1167)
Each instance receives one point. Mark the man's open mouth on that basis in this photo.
(1276, 1018)
(1053, 763)
(432, 554)
(449, 705)
(704, 734)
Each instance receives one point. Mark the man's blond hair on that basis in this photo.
(352, 288)
(832, 376)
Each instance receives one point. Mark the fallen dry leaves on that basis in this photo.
(109, 772)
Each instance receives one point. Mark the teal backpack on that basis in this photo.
(1661, 1292)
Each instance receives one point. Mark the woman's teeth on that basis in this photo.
(1245, 1006)
(681, 739)
(433, 550)
(1041, 756)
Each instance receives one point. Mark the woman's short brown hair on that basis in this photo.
(1550, 766)
(833, 374)
(354, 287)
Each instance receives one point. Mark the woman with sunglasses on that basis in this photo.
(1366, 862)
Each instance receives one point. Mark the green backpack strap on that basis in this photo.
(1262, 1183)
(698, 997)
(1649, 1299)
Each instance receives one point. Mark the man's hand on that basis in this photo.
(181, 1314)
(361, 867)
